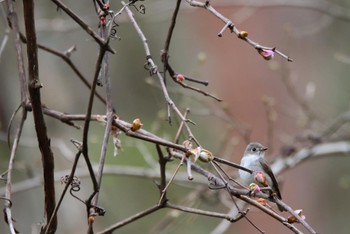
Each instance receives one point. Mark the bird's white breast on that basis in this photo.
(251, 162)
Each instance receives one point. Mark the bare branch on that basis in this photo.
(205, 213)
(229, 25)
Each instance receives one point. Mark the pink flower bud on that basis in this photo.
(103, 21)
(267, 54)
(180, 77)
(260, 178)
(254, 188)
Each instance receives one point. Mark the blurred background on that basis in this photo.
(261, 102)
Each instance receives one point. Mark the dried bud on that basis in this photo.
(136, 125)
(91, 219)
(201, 154)
(180, 77)
(117, 145)
(243, 34)
(292, 219)
(194, 153)
(267, 54)
(262, 201)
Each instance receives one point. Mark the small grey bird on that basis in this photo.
(262, 175)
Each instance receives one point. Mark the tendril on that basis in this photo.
(141, 9)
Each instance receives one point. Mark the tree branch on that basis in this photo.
(40, 126)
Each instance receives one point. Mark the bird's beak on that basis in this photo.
(264, 149)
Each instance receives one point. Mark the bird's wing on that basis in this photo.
(268, 170)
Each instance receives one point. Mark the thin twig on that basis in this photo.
(165, 52)
(19, 52)
(184, 85)
(161, 199)
(110, 117)
(174, 75)
(179, 131)
(8, 192)
(87, 123)
(235, 165)
(10, 124)
(171, 29)
(130, 219)
(70, 179)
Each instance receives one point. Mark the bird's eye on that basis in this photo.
(254, 149)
